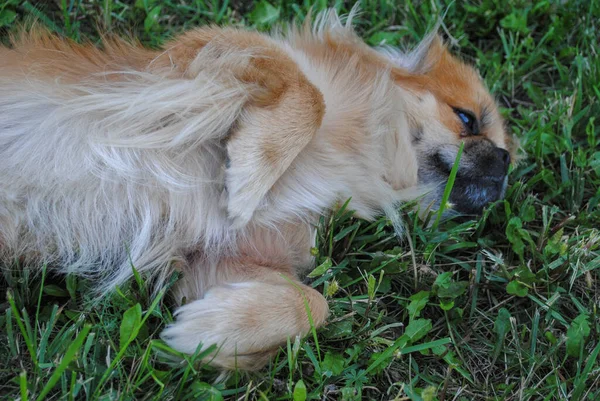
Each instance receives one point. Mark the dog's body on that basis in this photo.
(216, 155)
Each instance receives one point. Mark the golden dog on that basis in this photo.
(216, 154)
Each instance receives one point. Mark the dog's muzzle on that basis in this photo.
(481, 177)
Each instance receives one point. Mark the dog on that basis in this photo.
(215, 156)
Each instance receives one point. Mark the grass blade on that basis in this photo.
(66, 360)
(449, 186)
(24, 331)
(582, 378)
(23, 386)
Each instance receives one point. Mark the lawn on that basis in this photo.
(504, 307)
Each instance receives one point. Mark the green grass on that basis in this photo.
(504, 307)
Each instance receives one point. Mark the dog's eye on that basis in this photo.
(469, 122)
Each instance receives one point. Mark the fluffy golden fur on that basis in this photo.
(216, 154)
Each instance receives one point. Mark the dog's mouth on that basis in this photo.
(481, 178)
(471, 198)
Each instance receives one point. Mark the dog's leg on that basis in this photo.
(248, 318)
(250, 309)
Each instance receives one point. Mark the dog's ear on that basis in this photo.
(427, 54)
(422, 58)
(268, 136)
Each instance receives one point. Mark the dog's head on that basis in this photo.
(366, 124)
(451, 105)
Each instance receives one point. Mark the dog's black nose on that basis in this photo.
(504, 156)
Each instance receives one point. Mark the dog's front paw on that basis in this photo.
(203, 322)
(246, 321)
(196, 324)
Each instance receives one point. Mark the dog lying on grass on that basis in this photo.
(216, 154)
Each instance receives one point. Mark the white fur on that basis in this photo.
(95, 178)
